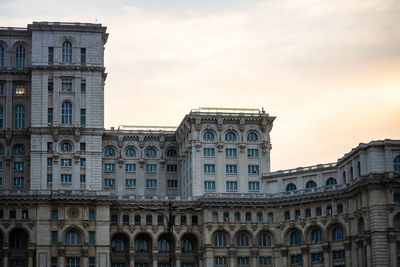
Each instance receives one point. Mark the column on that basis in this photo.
(347, 247)
(209, 257)
(284, 253)
(200, 259)
(360, 252)
(178, 259)
(327, 258)
(304, 253)
(276, 257)
(31, 252)
(5, 257)
(393, 250)
(131, 258)
(154, 255)
(61, 257)
(254, 258)
(368, 244)
(232, 258)
(85, 259)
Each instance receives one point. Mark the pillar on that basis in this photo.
(61, 257)
(347, 247)
(393, 250)
(131, 258)
(5, 257)
(178, 259)
(327, 259)
(154, 255)
(284, 253)
(368, 244)
(31, 252)
(232, 258)
(254, 258)
(200, 260)
(277, 259)
(304, 253)
(85, 255)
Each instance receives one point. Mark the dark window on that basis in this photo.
(248, 217)
(319, 211)
(54, 238)
(92, 262)
(50, 85)
(295, 238)
(297, 212)
(92, 215)
(194, 220)
(340, 209)
(287, 215)
(83, 116)
(92, 238)
(183, 219)
(82, 146)
(54, 214)
(259, 217)
(1, 214)
(149, 219)
(53, 262)
(49, 146)
(308, 213)
(237, 217)
(317, 257)
(83, 55)
(160, 219)
(83, 86)
(125, 219)
(329, 210)
(51, 54)
(13, 214)
(114, 219)
(297, 259)
(270, 217)
(226, 217)
(137, 219)
(24, 214)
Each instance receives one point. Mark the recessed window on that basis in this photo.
(54, 214)
(248, 216)
(318, 211)
(66, 147)
(297, 214)
(265, 261)
(151, 153)
(308, 213)
(24, 214)
(130, 183)
(66, 113)
(83, 86)
(66, 162)
(19, 181)
(254, 186)
(252, 153)
(209, 168)
(226, 217)
(208, 152)
(230, 136)
(19, 117)
(209, 185)
(253, 169)
(338, 233)
(172, 168)
(66, 178)
(83, 55)
(109, 151)
(19, 166)
(83, 117)
(54, 237)
(311, 184)
(231, 186)
(2, 88)
(92, 237)
(291, 187)
(396, 164)
(316, 236)
(67, 52)
(82, 146)
(172, 183)
(92, 214)
(19, 150)
(66, 85)
(264, 240)
(82, 178)
(243, 261)
(109, 182)
(220, 261)
(109, 167)
(12, 214)
(220, 240)
(183, 220)
(130, 152)
(340, 208)
(49, 162)
(252, 137)
(151, 183)
(297, 259)
(270, 217)
(151, 167)
(20, 57)
(231, 169)
(339, 255)
(160, 220)
(114, 219)
(50, 54)
(137, 220)
(242, 240)
(50, 116)
(1, 56)
(49, 178)
(171, 152)
(237, 216)
(73, 238)
(130, 167)
(331, 181)
(317, 257)
(208, 136)
(230, 152)
(295, 238)
(50, 85)
(287, 215)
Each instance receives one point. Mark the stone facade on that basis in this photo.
(200, 194)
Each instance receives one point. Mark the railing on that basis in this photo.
(300, 169)
(216, 111)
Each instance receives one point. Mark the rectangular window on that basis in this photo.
(92, 237)
(109, 167)
(49, 146)
(66, 178)
(231, 185)
(151, 183)
(66, 162)
(12, 214)
(209, 168)
(231, 169)
(53, 262)
(83, 162)
(82, 146)
(220, 261)
(243, 261)
(209, 152)
(265, 261)
(151, 168)
(51, 54)
(254, 186)
(149, 219)
(183, 220)
(2, 88)
(297, 214)
(1, 214)
(195, 220)
(329, 210)
(83, 116)
(237, 217)
(83, 55)
(308, 213)
(215, 216)
(114, 219)
(340, 209)
(270, 217)
(130, 167)
(82, 178)
(253, 169)
(49, 177)
(19, 181)
(319, 211)
(50, 85)
(66, 85)
(339, 255)
(248, 217)
(130, 183)
(259, 217)
(20, 89)
(24, 214)
(54, 214)
(209, 185)
(317, 257)
(137, 219)
(230, 152)
(1, 165)
(92, 214)
(297, 259)
(287, 215)
(83, 86)
(172, 168)
(19, 166)
(54, 239)
(109, 182)
(73, 262)
(172, 183)
(50, 116)
(160, 220)
(1, 181)
(226, 217)
(92, 262)
(252, 153)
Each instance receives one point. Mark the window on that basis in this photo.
(13, 214)
(209, 168)
(2, 87)
(220, 240)
(1, 181)
(82, 146)
(195, 220)
(331, 181)
(1, 214)
(252, 153)
(253, 169)
(226, 217)
(172, 168)
(351, 173)
(344, 177)
(73, 238)
(339, 255)
(297, 214)
(149, 219)
(172, 183)
(295, 238)
(49, 116)
(230, 152)
(82, 162)
(83, 86)
(54, 262)
(340, 209)
(19, 117)
(1, 56)
(73, 262)
(208, 136)
(137, 219)
(243, 261)
(114, 219)
(66, 147)
(183, 220)
(82, 178)
(215, 216)
(66, 178)
(171, 152)
(66, 85)
(252, 137)
(130, 183)
(242, 240)
(220, 261)
(358, 169)
(311, 184)
(248, 217)
(317, 257)
(66, 162)
(20, 90)
(130, 167)
(230, 136)
(66, 113)
(160, 220)
(231, 185)
(308, 213)
(109, 182)
(50, 54)
(287, 215)
(151, 167)
(20, 57)
(316, 236)
(270, 217)
(396, 164)
(237, 216)
(151, 183)
(291, 187)
(54, 214)
(141, 245)
(18, 181)
(24, 214)
(1, 115)
(92, 237)
(109, 167)
(92, 214)
(318, 211)
(50, 85)
(297, 259)
(230, 169)
(109, 151)
(19, 150)
(1, 165)
(338, 234)
(67, 52)
(265, 240)
(49, 162)
(254, 186)
(209, 185)
(259, 217)
(130, 152)
(83, 55)
(54, 237)
(92, 262)
(83, 117)
(266, 261)
(208, 152)
(151, 153)
(329, 210)
(163, 245)
(19, 166)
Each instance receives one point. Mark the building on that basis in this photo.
(74, 194)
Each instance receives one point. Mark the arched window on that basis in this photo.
(19, 150)
(130, 152)
(291, 187)
(67, 52)
(1, 56)
(295, 238)
(66, 147)
(66, 113)
(220, 240)
(208, 136)
(230, 136)
(118, 245)
(1, 150)
(252, 137)
(358, 169)
(311, 184)
(73, 238)
(109, 151)
(316, 236)
(242, 240)
(141, 245)
(163, 245)
(171, 152)
(351, 173)
(20, 57)
(396, 164)
(186, 245)
(331, 181)
(18, 239)
(151, 153)
(344, 178)
(19, 117)
(265, 240)
(338, 233)
(1, 117)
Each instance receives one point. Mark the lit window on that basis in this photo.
(231, 185)
(208, 152)
(252, 137)
(130, 183)
(208, 136)
(67, 52)
(66, 178)
(20, 57)
(18, 181)
(311, 184)
(291, 187)
(73, 238)
(19, 117)
(230, 152)
(20, 89)
(209, 185)
(230, 136)
(66, 113)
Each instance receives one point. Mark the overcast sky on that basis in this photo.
(328, 70)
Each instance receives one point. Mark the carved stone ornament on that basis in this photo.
(31, 224)
(85, 224)
(60, 223)
(73, 213)
(154, 228)
(6, 224)
(284, 252)
(209, 227)
(84, 252)
(61, 252)
(232, 227)
(77, 134)
(198, 145)
(220, 146)
(131, 255)
(141, 162)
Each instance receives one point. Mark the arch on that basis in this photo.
(20, 56)
(18, 150)
(209, 135)
(109, 151)
(189, 243)
(166, 242)
(331, 181)
(291, 187)
(130, 151)
(171, 152)
(73, 237)
(143, 242)
(396, 164)
(151, 152)
(230, 136)
(18, 238)
(296, 237)
(66, 51)
(66, 113)
(242, 239)
(265, 239)
(311, 184)
(316, 236)
(220, 239)
(336, 231)
(120, 242)
(19, 117)
(252, 136)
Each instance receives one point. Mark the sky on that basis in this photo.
(328, 70)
